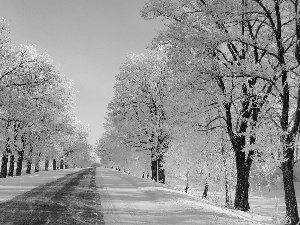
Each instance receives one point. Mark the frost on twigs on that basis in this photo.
(37, 106)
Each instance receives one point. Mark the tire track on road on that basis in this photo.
(73, 199)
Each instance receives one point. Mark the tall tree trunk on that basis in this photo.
(28, 169)
(227, 200)
(243, 162)
(238, 141)
(29, 160)
(242, 185)
(54, 164)
(4, 166)
(19, 163)
(37, 166)
(37, 163)
(154, 170)
(292, 216)
(12, 156)
(226, 184)
(5, 159)
(11, 165)
(21, 155)
(46, 164)
(61, 164)
(157, 170)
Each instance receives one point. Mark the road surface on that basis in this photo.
(103, 196)
(131, 200)
(72, 199)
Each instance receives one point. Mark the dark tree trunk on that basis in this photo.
(243, 162)
(19, 163)
(204, 195)
(250, 110)
(29, 159)
(5, 159)
(289, 191)
(12, 156)
(61, 164)
(157, 164)
(37, 166)
(37, 163)
(153, 170)
(28, 169)
(21, 156)
(46, 164)
(157, 153)
(54, 164)
(242, 185)
(227, 201)
(4, 166)
(11, 166)
(292, 215)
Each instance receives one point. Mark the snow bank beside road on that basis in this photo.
(251, 217)
(132, 200)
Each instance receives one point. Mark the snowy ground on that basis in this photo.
(268, 207)
(71, 199)
(131, 200)
(13, 186)
(271, 203)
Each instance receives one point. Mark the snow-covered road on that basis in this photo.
(104, 196)
(131, 200)
(71, 199)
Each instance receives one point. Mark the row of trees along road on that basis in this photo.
(136, 118)
(225, 71)
(37, 118)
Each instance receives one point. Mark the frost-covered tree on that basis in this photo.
(103, 149)
(114, 153)
(247, 53)
(209, 62)
(75, 149)
(36, 105)
(202, 157)
(137, 111)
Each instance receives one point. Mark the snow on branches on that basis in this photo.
(36, 105)
(243, 59)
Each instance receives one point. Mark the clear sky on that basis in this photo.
(87, 39)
